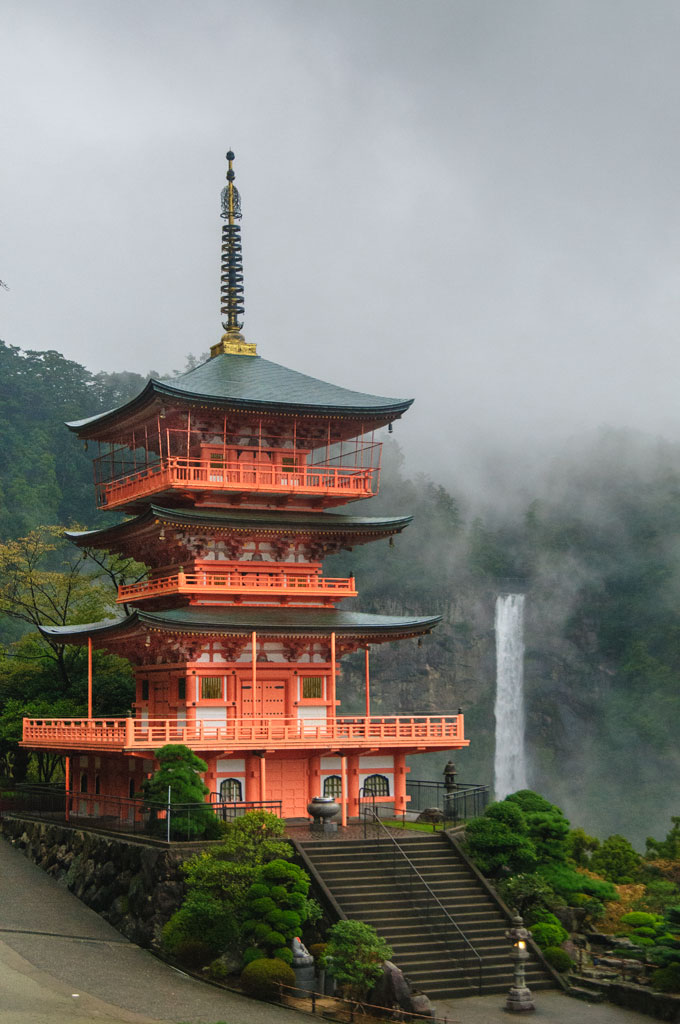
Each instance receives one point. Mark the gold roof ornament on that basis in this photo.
(231, 288)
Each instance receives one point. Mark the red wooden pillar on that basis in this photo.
(399, 783)
(263, 779)
(89, 677)
(67, 786)
(343, 789)
(368, 687)
(353, 785)
(331, 695)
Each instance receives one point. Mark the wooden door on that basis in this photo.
(287, 781)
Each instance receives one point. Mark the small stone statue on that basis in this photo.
(303, 965)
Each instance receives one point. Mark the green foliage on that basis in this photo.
(202, 928)
(558, 958)
(637, 918)
(580, 846)
(546, 934)
(263, 978)
(354, 956)
(497, 849)
(179, 770)
(659, 893)
(668, 848)
(616, 860)
(568, 883)
(508, 814)
(276, 907)
(546, 826)
(254, 839)
(526, 893)
(540, 916)
(666, 979)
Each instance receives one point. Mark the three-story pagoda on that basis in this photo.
(226, 474)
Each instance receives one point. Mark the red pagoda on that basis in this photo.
(226, 474)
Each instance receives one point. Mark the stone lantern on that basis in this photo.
(519, 997)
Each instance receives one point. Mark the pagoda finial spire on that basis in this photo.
(232, 342)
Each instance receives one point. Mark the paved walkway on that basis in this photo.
(60, 963)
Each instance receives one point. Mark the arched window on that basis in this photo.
(332, 786)
(231, 791)
(377, 785)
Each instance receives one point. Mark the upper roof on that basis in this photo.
(254, 384)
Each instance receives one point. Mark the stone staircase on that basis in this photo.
(369, 881)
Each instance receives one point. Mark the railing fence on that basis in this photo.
(169, 822)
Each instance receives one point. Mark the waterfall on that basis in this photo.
(509, 762)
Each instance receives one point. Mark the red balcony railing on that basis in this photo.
(239, 584)
(175, 473)
(438, 732)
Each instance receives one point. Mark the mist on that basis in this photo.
(472, 204)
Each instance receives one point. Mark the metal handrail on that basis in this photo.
(430, 894)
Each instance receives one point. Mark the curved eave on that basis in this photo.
(244, 621)
(320, 524)
(380, 413)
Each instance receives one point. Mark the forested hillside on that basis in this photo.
(597, 552)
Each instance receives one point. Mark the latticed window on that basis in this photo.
(377, 785)
(332, 786)
(312, 686)
(211, 687)
(231, 791)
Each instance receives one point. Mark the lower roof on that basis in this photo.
(318, 523)
(307, 622)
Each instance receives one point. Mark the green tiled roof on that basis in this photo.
(283, 522)
(253, 383)
(267, 621)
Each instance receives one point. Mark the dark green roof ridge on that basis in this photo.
(321, 521)
(271, 621)
(254, 384)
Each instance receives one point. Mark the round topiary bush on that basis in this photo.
(263, 978)
(558, 959)
(545, 934)
(639, 918)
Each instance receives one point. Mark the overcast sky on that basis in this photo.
(474, 203)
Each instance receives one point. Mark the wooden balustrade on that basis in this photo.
(202, 475)
(437, 732)
(276, 584)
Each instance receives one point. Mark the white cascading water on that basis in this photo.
(510, 772)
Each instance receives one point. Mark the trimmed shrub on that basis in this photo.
(527, 893)
(263, 977)
(558, 959)
(317, 949)
(617, 861)
(566, 882)
(545, 934)
(200, 920)
(637, 918)
(667, 979)
(541, 916)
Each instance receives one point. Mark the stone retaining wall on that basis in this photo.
(134, 887)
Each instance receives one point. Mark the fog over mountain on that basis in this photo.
(471, 203)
